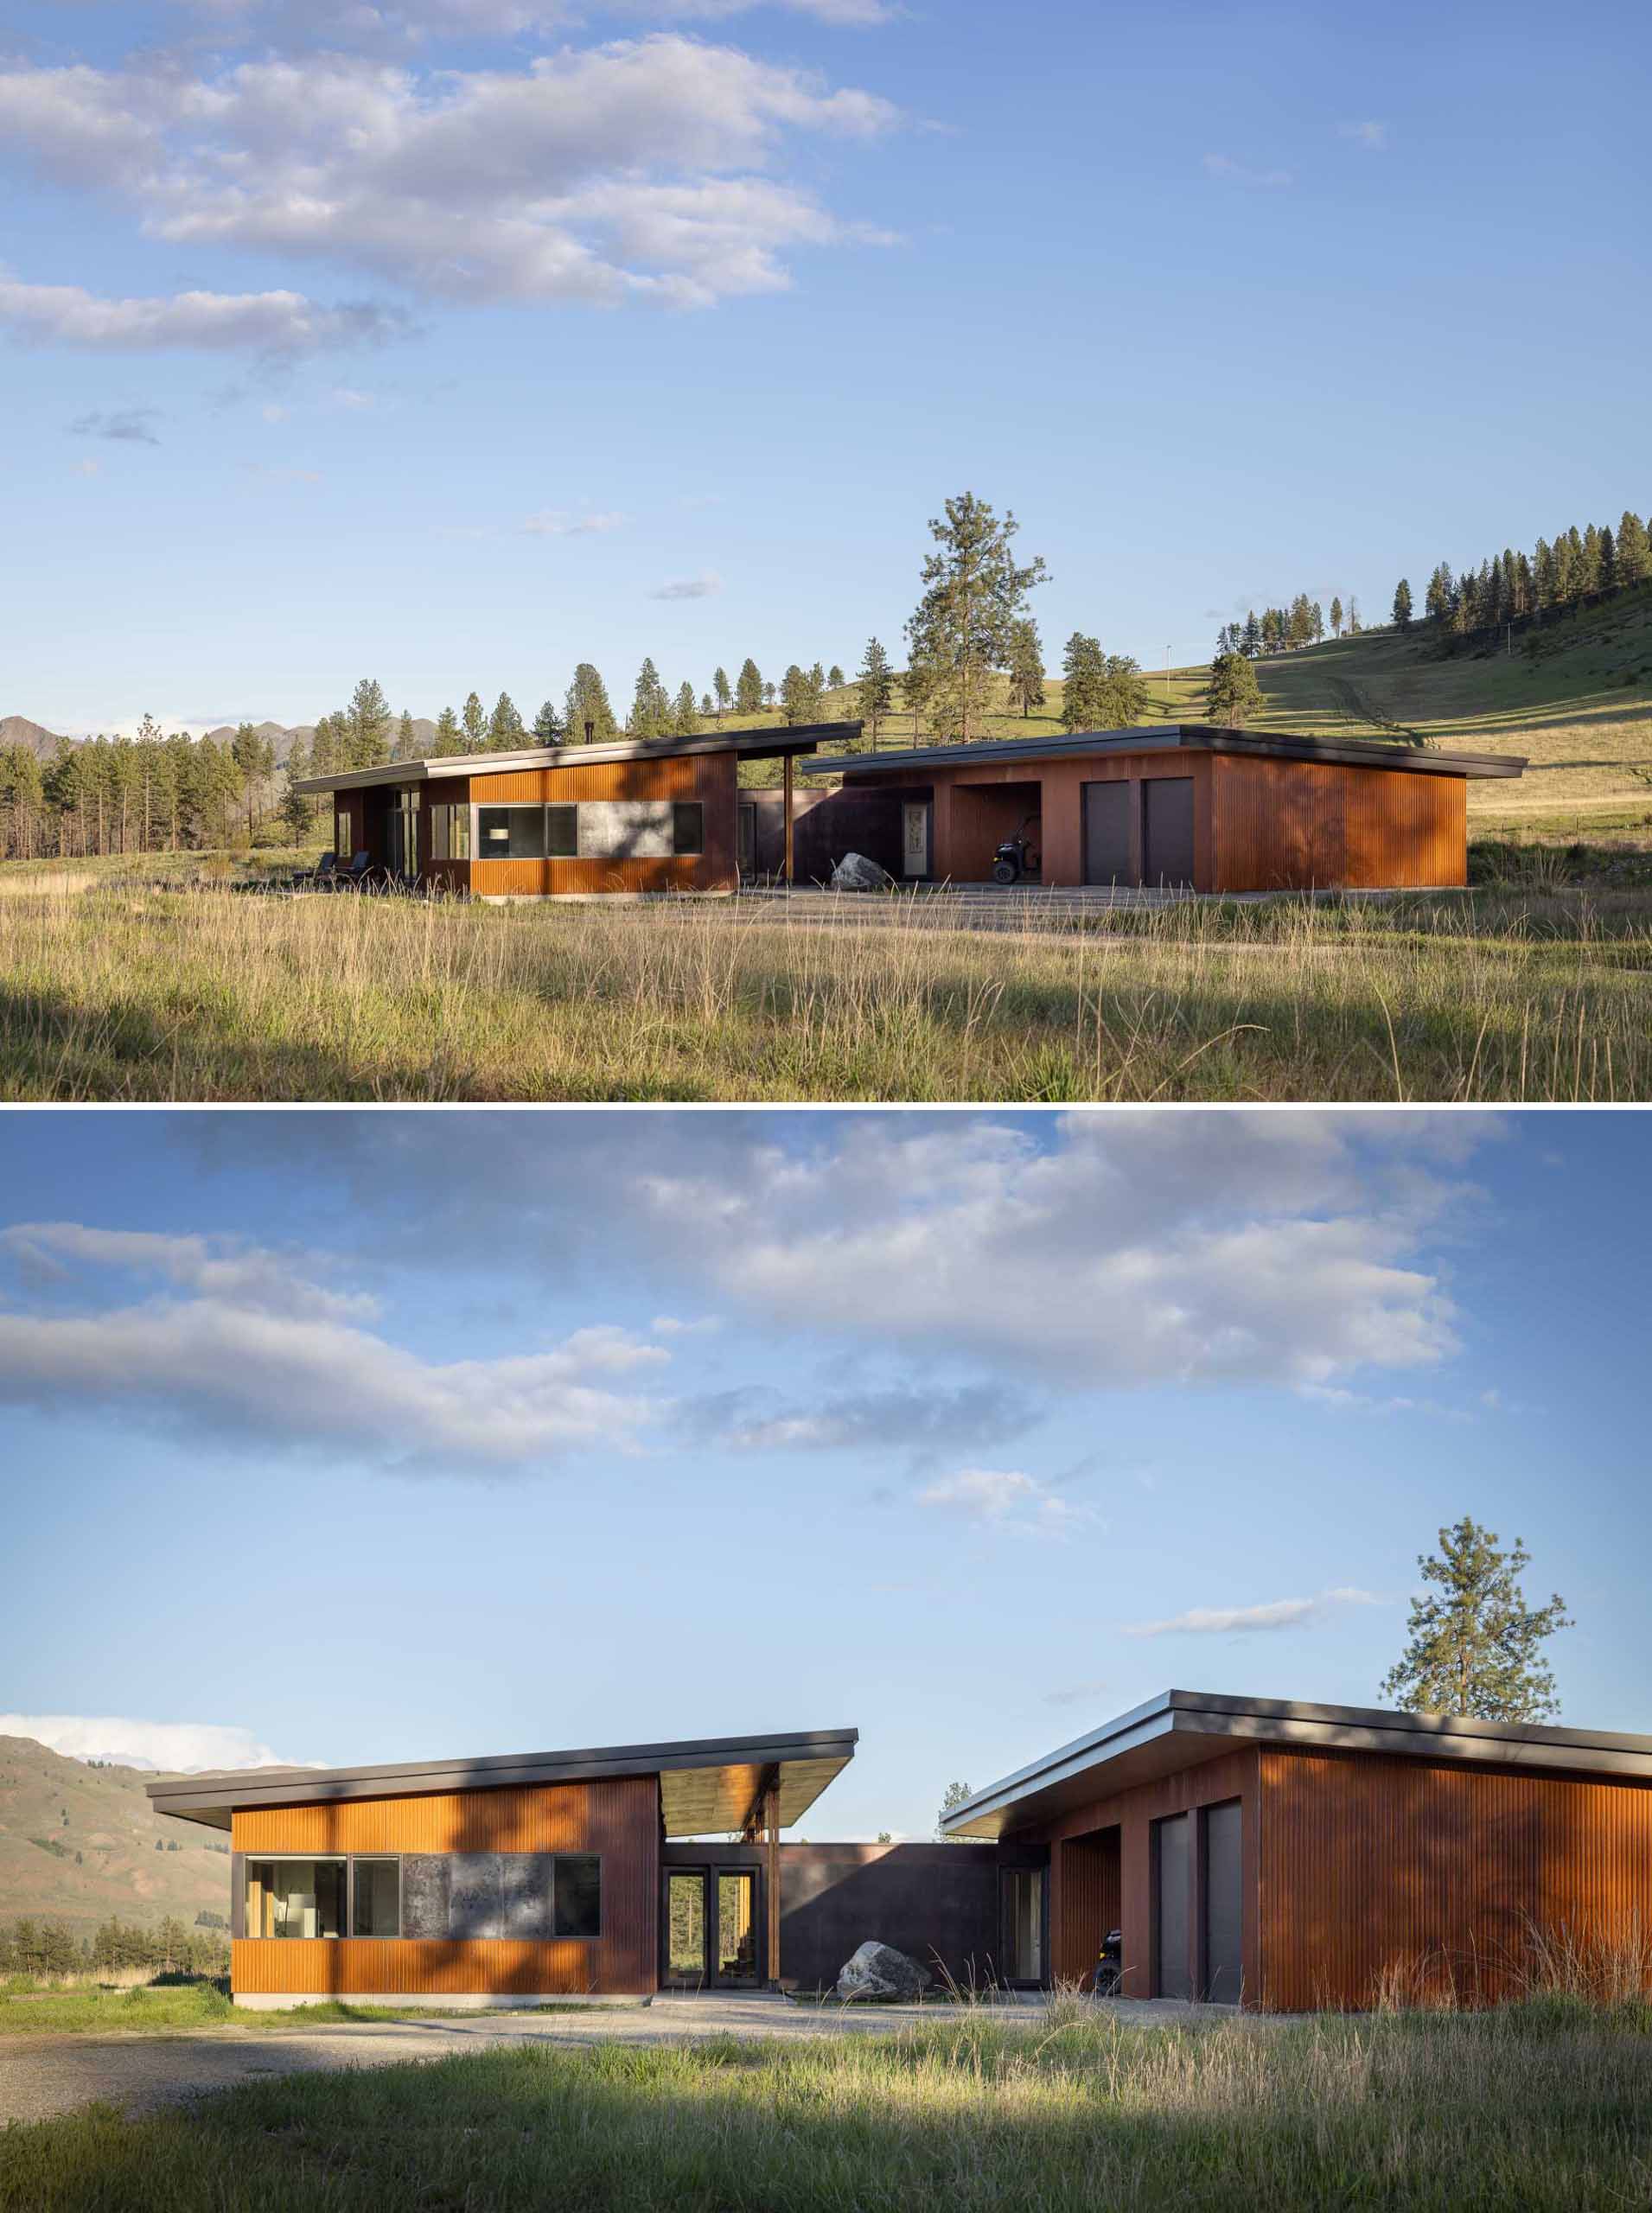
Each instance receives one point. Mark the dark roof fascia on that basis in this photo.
(1202, 1715)
(749, 745)
(211, 1798)
(1195, 737)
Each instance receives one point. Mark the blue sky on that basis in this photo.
(363, 1436)
(437, 342)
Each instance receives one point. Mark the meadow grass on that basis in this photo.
(1516, 990)
(1527, 2106)
(92, 2010)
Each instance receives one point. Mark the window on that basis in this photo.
(375, 1897)
(515, 833)
(578, 1894)
(561, 832)
(295, 1898)
(450, 833)
(1021, 1898)
(688, 826)
(403, 828)
(341, 833)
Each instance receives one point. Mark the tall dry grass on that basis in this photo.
(143, 993)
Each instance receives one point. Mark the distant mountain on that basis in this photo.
(17, 730)
(77, 1843)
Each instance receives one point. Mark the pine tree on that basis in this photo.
(473, 723)
(449, 738)
(368, 720)
(724, 695)
(1026, 667)
(1477, 1648)
(1316, 622)
(1608, 557)
(590, 715)
(685, 716)
(1123, 694)
(974, 592)
(875, 686)
(505, 730)
(795, 696)
(1439, 600)
(406, 745)
(1589, 563)
(547, 724)
(650, 715)
(1402, 605)
(1353, 616)
(1634, 550)
(748, 691)
(1335, 618)
(1252, 645)
(1232, 693)
(708, 706)
(835, 679)
(769, 691)
(955, 1795)
(254, 759)
(1084, 684)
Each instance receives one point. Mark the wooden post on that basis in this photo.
(773, 1884)
(786, 809)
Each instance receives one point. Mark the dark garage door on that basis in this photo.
(1107, 834)
(1224, 1903)
(1167, 829)
(1171, 1976)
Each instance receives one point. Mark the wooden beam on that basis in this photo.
(786, 802)
(772, 1885)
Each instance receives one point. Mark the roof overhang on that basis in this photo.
(1180, 1729)
(746, 744)
(707, 1785)
(1159, 737)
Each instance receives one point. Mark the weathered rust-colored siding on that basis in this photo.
(1309, 824)
(1085, 1901)
(1372, 1863)
(1230, 1775)
(620, 1819)
(708, 777)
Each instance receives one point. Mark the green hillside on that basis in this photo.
(1574, 696)
(77, 1844)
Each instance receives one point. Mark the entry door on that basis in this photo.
(914, 838)
(1167, 829)
(1171, 1870)
(1107, 834)
(746, 838)
(713, 1935)
(1224, 1904)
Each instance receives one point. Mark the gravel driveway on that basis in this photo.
(42, 2075)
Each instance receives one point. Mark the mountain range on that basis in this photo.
(17, 730)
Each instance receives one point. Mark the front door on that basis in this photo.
(712, 1937)
(914, 837)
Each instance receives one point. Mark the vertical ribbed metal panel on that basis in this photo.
(1372, 1864)
(618, 1819)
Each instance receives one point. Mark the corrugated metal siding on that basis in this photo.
(1299, 825)
(1369, 1863)
(1086, 1901)
(619, 1819)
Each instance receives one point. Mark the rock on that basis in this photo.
(854, 872)
(879, 1971)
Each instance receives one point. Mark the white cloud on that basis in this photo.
(558, 522)
(265, 323)
(275, 414)
(259, 1351)
(87, 468)
(631, 170)
(1006, 1499)
(186, 1747)
(670, 1325)
(919, 1421)
(1139, 1249)
(702, 587)
(1223, 167)
(1239, 1621)
(1373, 136)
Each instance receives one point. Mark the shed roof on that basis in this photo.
(1194, 737)
(769, 744)
(706, 1784)
(1179, 1729)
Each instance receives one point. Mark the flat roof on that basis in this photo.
(1179, 1729)
(706, 1784)
(1195, 737)
(769, 744)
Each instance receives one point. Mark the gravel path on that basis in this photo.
(43, 2075)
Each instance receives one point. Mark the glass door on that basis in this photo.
(685, 1962)
(736, 1926)
(713, 1933)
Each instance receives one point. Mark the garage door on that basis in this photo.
(1167, 829)
(1224, 1902)
(1170, 1872)
(1107, 834)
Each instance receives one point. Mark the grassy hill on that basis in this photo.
(77, 1844)
(1574, 697)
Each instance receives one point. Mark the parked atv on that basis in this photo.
(1016, 857)
(1109, 1966)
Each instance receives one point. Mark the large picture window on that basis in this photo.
(467, 1896)
(296, 1898)
(510, 833)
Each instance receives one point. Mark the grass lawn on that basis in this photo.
(1546, 2106)
(181, 2009)
(1533, 986)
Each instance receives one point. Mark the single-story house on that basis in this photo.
(1173, 804)
(1251, 1851)
(548, 821)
